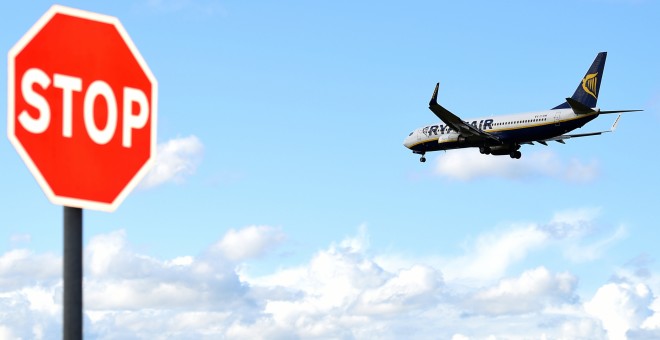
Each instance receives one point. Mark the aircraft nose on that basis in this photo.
(407, 142)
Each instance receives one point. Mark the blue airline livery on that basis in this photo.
(503, 135)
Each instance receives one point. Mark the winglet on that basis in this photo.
(616, 123)
(578, 108)
(434, 98)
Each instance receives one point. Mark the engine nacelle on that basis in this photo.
(451, 137)
(500, 150)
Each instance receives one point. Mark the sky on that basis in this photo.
(283, 204)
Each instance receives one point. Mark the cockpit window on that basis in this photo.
(411, 133)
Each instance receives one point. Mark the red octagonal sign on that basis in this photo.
(82, 108)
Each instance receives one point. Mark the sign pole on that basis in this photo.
(73, 270)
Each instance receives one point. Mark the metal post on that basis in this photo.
(73, 269)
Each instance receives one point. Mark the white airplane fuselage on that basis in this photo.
(511, 130)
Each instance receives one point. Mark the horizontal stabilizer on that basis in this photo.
(618, 111)
(581, 109)
(578, 108)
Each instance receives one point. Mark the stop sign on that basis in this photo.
(82, 108)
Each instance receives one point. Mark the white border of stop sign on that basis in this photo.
(66, 86)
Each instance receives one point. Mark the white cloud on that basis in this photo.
(574, 223)
(120, 279)
(406, 290)
(6, 333)
(176, 159)
(459, 337)
(30, 294)
(494, 252)
(249, 242)
(343, 293)
(20, 266)
(534, 290)
(582, 253)
(345, 290)
(469, 164)
(575, 234)
(620, 307)
(577, 225)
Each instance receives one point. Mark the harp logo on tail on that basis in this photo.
(589, 84)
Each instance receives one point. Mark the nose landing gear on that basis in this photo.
(422, 158)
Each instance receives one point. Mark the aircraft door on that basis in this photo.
(557, 121)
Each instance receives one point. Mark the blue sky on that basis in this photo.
(285, 205)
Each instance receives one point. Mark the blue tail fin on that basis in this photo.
(587, 91)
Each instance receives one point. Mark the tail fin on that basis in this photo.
(587, 91)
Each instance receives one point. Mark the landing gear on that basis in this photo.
(421, 153)
(515, 154)
(484, 150)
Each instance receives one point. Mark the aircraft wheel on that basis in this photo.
(423, 159)
(484, 150)
(516, 154)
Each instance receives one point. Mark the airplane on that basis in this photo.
(505, 134)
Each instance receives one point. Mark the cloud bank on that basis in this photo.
(346, 290)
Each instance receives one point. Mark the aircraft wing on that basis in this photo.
(560, 139)
(453, 121)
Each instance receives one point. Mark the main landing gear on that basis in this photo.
(515, 154)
